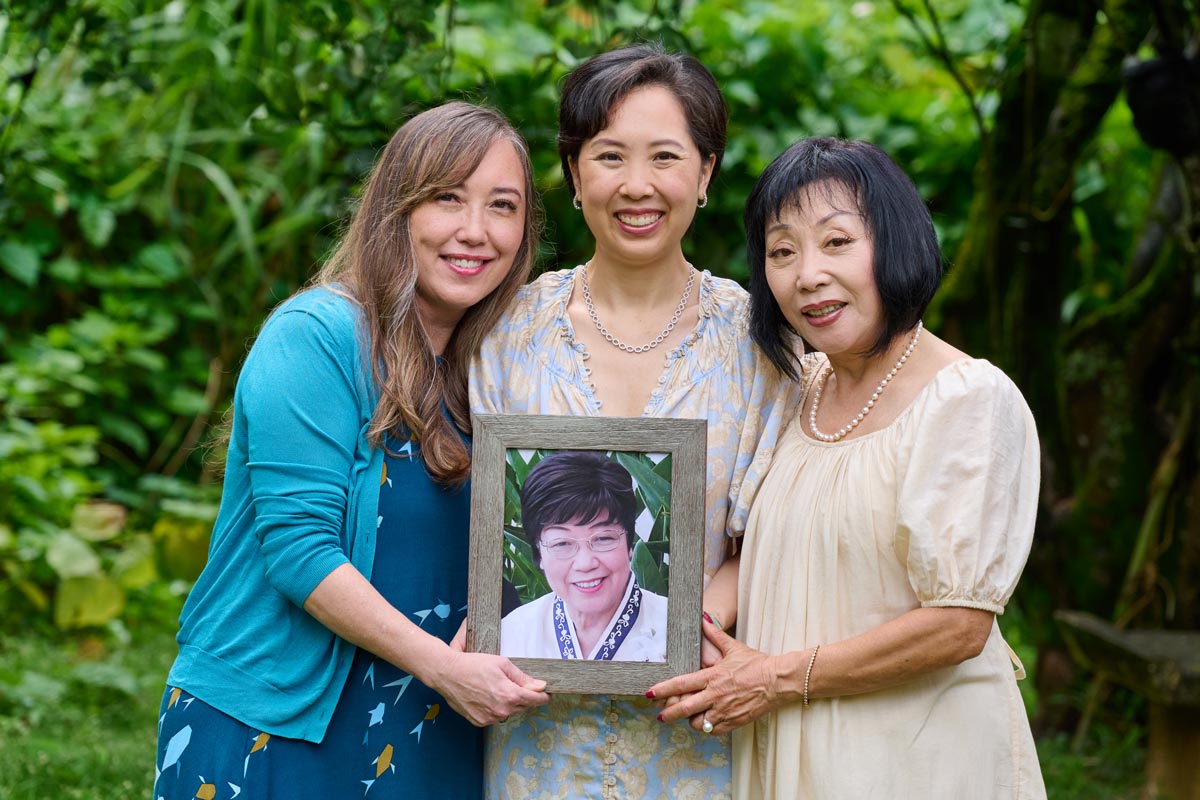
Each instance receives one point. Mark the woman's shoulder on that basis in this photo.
(724, 300)
(546, 289)
(724, 327)
(973, 396)
(972, 378)
(536, 305)
(529, 610)
(328, 308)
(523, 338)
(653, 603)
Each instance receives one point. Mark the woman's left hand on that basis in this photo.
(735, 691)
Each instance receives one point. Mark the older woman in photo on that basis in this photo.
(578, 512)
(892, 526)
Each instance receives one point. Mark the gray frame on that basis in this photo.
(686, 441)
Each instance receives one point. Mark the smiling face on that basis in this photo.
(590, 583)
(639, 179)
(466, 238)
(819, 266)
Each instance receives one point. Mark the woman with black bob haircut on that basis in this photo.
(905, 254)
(578, 513)
(636, 330)
(879, 553)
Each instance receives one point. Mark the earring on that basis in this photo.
(702, 202)
(575, 202)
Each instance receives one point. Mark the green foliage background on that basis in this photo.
(169, 171)
(652, 492)
(173, 170)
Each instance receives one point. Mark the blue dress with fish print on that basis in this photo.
(391, 736)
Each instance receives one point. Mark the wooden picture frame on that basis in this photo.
(685, 440)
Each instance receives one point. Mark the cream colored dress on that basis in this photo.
(936, 509)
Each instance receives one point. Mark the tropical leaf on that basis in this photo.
(653, 489)
(660, 532)
(71, 557)
(87, 601)
(650, 575)
(20, 261)
(519, 568)
(98, 520)
(519, 466)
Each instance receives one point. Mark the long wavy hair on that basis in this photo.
(375, 265)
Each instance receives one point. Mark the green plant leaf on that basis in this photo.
(243, 227)
(97, 221)
(35, 689)
(98, 520)
(135, 566)
(653, 489)
(518, 464)
(525, 576)
(660, 532)
(20, 261)
(181, 547)
(86, 601)
(71, 557)
(512, 496)
(649, 575)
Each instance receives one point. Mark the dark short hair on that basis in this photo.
(596, 87)
(578, 485)
(907, 261)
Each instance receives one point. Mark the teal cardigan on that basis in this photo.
(301, 497)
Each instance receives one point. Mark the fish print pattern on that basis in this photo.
(390, 736)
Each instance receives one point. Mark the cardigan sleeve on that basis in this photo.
(299, 400)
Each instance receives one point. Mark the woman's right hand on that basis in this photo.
(737, 690)
(487, 689)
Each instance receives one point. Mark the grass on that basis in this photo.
(1109, 768)
(78, 717)
(78, 720)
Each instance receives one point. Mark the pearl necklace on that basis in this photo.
(614, 341)
(841, 434)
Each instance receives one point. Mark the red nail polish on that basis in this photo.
(710, 619)
(650, 694)
(660, 718)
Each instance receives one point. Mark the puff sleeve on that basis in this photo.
(969, 492)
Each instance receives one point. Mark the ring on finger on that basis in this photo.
(706, 726)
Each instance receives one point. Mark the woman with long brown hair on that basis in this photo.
(314, 657)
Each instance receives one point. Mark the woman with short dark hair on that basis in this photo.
(579, 515)
(580, 485)
(636, 331)
(894, 522)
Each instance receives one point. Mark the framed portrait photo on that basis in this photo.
(587, 548)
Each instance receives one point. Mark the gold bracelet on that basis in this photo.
(808, 671)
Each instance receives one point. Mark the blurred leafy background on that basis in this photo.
(170, 171)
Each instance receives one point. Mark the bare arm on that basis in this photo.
(483, 688)
(720, 603)
(747, 683)
(720, 596)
